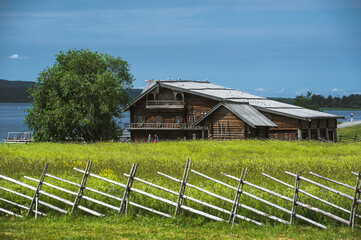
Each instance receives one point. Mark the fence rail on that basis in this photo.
(180, 204)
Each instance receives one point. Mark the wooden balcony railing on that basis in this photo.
(165, 104)
(132, 126)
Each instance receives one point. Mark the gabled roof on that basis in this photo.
(243, 111)
(223, 94)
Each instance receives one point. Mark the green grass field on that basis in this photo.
(348, 133)
(111, 160)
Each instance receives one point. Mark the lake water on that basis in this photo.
(12, 116)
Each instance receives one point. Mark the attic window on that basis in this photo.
(179, 97)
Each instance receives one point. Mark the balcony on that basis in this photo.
(161, 126)
(153, 104)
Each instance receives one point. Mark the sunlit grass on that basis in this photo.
(112, 160)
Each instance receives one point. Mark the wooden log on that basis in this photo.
(81, 188)
(122, 185)
(230, 201)
(310, 195)
(36, 194)
(170, 202)
(287, 199)
(125, 199)
(333, 181)
(183, 186)
(20, 206)
(298, 203)
(323, 186)
(208, 204)
(10, 213)
(295, 196)
(50, 195)
(75, 194)
(40, 202)
(354, 201)
(237, 197)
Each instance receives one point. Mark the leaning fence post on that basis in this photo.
(356, 197)
(295, 196)
(232, 216)
(125, 199)
(82, 186)
(183, 185)
(36, 194)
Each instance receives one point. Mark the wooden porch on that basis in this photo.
(162, 126)
(153, 104)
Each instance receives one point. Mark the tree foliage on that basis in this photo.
(305, 101)
(316, 101)
(79, 98)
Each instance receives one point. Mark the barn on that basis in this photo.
(179, 109)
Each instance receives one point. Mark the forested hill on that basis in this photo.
(15, 91)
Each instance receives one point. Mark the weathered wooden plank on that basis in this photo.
(40, 202)
(20, 206)
(50, 195)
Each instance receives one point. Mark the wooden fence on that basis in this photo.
(182, 197)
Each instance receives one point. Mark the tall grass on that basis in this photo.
(111, 160)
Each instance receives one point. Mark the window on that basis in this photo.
(179, 97)
(191, 118)
(177, 119)
(159, 119)
(140, 118)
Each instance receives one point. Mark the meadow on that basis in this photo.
(112, 160)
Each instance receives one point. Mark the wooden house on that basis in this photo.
(201, 110)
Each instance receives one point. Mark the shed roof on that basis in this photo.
(243, 111)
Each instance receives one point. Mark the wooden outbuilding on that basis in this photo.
(179, 109)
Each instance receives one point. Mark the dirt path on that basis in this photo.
(348, 124)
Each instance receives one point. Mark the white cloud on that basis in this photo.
(16, 56)
(282, 90)
(260, 90)
(335, 90)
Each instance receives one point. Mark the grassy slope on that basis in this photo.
(349, 132)
(113, 159)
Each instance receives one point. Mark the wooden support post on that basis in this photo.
(299, 134)
(225, 132)
(295, 196)
(335, 134)
(183, 185)
(318, 134)
(203, 132)
(82, 186)
(355, 201)
(327, 135)
(125, 199)
(221, 130)
(233, 214)
(35, 199)
(309, 134)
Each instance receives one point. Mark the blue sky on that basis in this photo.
(268, 48)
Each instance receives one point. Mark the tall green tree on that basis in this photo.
(80, 97)
(305, 101)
